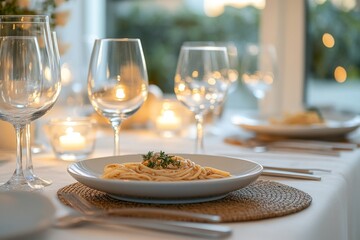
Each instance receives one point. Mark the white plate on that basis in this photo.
(336, 124)
(23, 214)
(243, 172)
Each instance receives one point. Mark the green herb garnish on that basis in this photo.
(159, 160)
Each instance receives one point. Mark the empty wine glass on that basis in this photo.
(117, 80)
(29, 87)
(258, 69)
(201, 82)
(22, 94)
(216, 128)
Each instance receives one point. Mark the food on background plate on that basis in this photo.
(160, 166)
(300, 118)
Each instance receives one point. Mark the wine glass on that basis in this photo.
(29, 86)
(21, 94)
(117, 80)
(36, 25)
(201, 82)
(29, 169)
(258, 69)
(232, 53)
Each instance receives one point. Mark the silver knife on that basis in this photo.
(314, 144)
(278, 173)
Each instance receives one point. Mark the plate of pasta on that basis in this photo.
(166, 178)
(301, 124)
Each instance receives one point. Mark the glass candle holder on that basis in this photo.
(168, 121)
(72, 139)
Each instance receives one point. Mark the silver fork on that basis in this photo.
(205, 230)
(84, 206)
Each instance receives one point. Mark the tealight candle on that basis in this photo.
(72, 139)
(168, 122)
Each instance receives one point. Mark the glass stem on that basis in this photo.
(19, 157)
(116, 126)
(199, 118)
(29, 165)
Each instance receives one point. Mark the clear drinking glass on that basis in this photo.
(117, 80)
(201, 82)
(29, 86)
(258, 69)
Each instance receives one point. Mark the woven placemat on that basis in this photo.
(260, 200)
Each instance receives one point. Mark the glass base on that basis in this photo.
(38, 182)
(34, 180)
(18, 183)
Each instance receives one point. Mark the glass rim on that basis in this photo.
(18, 37)
(17, 18)
(200, 48)
(118, 39)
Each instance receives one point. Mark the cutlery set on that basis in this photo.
(290, 174)
(317, 147)
(87, 212)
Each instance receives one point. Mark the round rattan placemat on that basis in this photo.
(260, 200)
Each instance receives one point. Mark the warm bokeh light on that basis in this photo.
(181, 87)
(268, 78)
(328, 40)
(120, 92)
(340, 74)
(195, 74)
(211, 81)
(47, 73)
(66, 76)
(214, 8)
(196, 96)
(345, 5)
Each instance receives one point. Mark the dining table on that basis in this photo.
(333, 214)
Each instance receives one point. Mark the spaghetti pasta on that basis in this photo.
(162, 167)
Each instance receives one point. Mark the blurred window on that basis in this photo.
(163, 25)
(333, 54)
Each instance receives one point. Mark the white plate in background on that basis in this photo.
(336, 124)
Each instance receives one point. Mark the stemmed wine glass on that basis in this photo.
(29, 86)
(258, 69)
(117, 80)
(201, 82)
(232, 53)
(23, 94)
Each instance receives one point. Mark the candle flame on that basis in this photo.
(120, 93)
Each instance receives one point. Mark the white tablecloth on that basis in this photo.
(333, 214)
